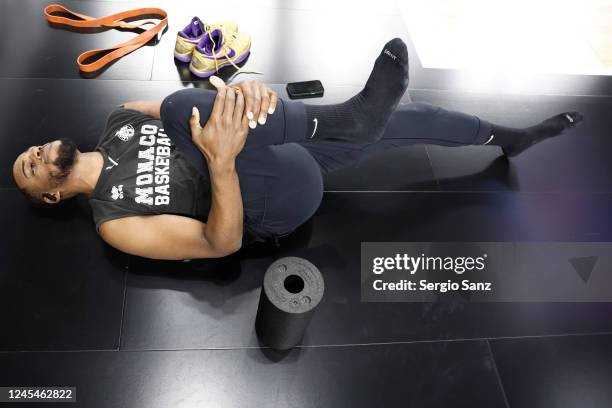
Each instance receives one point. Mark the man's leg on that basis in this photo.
(280, 182)
(362, 118)
(176, 110)
(281, 186)
(421, 123)
(371, 121)
(411, 123)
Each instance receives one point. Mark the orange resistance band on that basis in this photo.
(61, 15)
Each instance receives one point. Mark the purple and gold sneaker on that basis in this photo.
(192, 34)
(217, 49)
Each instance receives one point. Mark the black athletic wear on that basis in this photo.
(280, 181)
(144, 174)
(362, 119)
(280, 169)
(514, 141)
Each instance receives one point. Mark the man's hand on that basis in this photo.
(260, 100)
(225, 133)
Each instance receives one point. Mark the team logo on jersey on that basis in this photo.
(117, 192)
(125, 133)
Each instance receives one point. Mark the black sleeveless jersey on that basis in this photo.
(144, 174)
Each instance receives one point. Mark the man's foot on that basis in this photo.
(515, 141)
(362, 119)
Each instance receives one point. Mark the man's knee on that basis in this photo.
(305, 183)
(311, 192)
(176, 107)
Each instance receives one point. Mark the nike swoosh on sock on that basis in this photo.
(489, 141)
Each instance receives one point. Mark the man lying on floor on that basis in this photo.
(180, 179)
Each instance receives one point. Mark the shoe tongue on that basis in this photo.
(215, 39)
(192, 30)
(196, 27)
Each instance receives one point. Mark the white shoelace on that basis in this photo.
(225, 54)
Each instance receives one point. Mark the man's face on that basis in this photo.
(41, 169)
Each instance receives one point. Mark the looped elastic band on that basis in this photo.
(108, 55)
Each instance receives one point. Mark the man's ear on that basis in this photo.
(52, 198)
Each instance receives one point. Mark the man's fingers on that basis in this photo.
(195, 116)
(259, 100)
(255, 101)
(248, 98)
(265, 105)
(194, 120)
(239, 109)
(217, 109)
(217, 82)
(256, 104)
(230, 102)
(273, 102)
(245, 122)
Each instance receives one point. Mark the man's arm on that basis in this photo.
(164, 236)
(169, 236)
(220, 141)
(150, 108)
(225, 218)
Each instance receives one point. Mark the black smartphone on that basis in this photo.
(306, 89)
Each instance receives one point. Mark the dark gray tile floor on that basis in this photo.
(213, 304)
(460, 374)
(43, 51)
(61, 287)
(559, 372)
(578, 160)
(133, 332)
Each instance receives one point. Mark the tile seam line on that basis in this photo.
(499, 380)
(506, 94)
(436, 191)
(123, 303)
(433, 170)
(153, 62)
(468, 192)
(475, 339)
(396, 14)
(461, 91)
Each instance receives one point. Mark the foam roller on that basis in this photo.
(292, 289)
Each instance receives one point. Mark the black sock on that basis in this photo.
(514, 141)
(363, 118)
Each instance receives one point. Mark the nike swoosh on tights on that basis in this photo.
(488, 141)
(316, 122)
